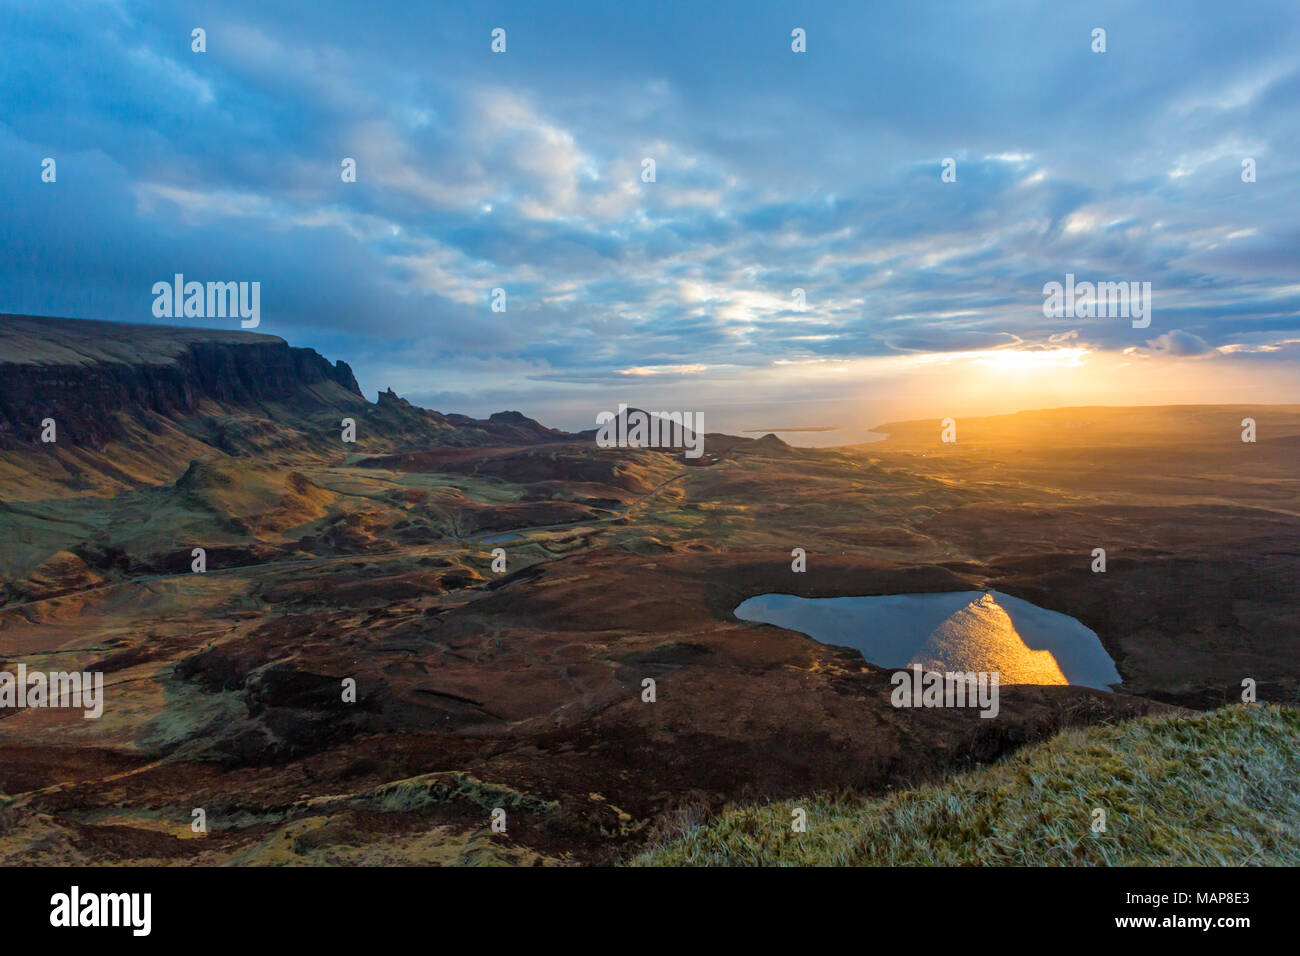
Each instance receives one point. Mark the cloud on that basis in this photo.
(774, 171)
(642, 370)
(1180, 343)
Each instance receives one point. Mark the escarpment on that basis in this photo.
(84, 386)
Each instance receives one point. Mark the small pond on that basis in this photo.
(951, 631)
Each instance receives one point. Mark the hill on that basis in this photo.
(133, 405)
(1214, 789)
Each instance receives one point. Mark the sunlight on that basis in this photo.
(1028, 360)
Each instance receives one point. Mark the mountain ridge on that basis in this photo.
(134, 404)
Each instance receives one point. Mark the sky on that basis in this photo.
(774, 170)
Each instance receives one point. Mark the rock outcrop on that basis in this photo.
(83, 387)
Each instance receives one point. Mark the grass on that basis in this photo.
(1213, 789)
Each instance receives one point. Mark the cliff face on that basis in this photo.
(48, 371)
(133, 405)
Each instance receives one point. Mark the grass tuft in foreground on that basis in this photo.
(1221, 788)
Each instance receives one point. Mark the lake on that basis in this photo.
(950, 631)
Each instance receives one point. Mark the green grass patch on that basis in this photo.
(1214, 789)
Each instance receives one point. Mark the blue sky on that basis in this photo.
(775, 170)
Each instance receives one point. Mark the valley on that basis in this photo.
(522, 689)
